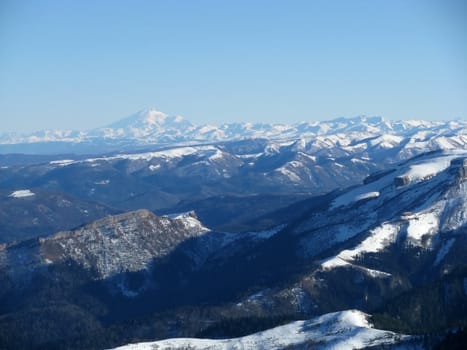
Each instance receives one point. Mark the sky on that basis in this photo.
(84, 64)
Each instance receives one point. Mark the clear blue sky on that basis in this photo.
(82, 64)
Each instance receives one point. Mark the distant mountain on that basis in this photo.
(147, 124)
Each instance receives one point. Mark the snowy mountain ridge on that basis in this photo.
(152, 126)
(412, 202)
(338, 331)
(442, 212)
(111, 245)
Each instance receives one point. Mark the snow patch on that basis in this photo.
(375, 273)
(102, 182)
(336, 261)
(289, 174)
(332, 262)
(386, 141)
(368, 195)
(63, 162)
(422, 224)
(428, 169)
(371, 190)
(379, 238)
(218, 154)
(189, 220)
(21, 194)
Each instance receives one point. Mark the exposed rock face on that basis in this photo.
(401, 181)
(120, 243)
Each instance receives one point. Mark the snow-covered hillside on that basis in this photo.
(338, 331)
(412, 202)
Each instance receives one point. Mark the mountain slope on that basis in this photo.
(358, 251)
(29, 213)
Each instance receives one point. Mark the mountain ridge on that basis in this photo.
(153, 126)
(336, 331)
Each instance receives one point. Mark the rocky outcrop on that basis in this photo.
(115, 244)
(400, 181)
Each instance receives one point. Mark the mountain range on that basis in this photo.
(152, 127)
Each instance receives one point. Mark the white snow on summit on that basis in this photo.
(189, 221)
(342, 330)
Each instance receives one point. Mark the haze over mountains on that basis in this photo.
(168, 230)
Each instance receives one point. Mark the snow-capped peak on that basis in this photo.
(153, 116)
(189, 220)
(145, 123)
(147, 118)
